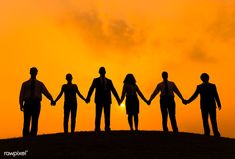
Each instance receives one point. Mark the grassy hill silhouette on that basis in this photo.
(120, 145)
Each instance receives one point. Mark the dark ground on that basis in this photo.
(121, 145)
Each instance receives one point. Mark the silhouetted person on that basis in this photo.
(70, 102)
(30, 102)
(130, 91)
(104, 87)
(167, 102)
(208, 99)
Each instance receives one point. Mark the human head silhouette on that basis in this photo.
(33, 72)
(129, 79)
(164, 75)
(205, 77)
(102, 71)
(69, 77)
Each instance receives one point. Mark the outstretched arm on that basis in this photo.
(115, 93)
(79, 94)
(155, 92)
(60, 94)
(194, 96)
(217, 98)
(176, 90)
(21, 99)
(90, 91)
(141, 95)
(123, 93)
(46, 93)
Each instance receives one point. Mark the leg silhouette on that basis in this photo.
(205, 122)
(107, 116)
(172, 117)
(35, 117)
(66, 118)
(27, 117)
(164, 117)
(136, 119)
(214, 123)
(130, 122)
(98, 117)
(73, 118)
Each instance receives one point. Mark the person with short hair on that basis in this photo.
(208, 99)
(167, 102)
(70, 91)
(30, 102)
(103, 88)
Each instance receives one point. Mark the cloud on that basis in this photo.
(223, 27)
(199, 54)
(98, 32)
(124, 35)
(153, 27)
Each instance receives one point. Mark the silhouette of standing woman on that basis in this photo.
(30, 102)
(130, 91)
(70, 102)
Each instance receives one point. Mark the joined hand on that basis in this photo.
(148, 102)
(22, 108)
(53, 103)
(185, 102)
(87, 100)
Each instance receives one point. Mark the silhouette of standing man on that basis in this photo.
(70, 102)
(167, 102)
(104, 87)
(30, 102)
(209, 96)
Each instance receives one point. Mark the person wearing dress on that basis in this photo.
(131, 91)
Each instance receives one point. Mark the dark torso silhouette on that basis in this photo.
(70, 91)
(103, 90)
(33, 90)
(208, 98)
(208, 95)
(132, 101)
(31, 95)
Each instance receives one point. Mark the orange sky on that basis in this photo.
(185, 38)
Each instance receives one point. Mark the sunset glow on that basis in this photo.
(122, 105)
(182, 37)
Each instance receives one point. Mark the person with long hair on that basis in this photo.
(131, 91)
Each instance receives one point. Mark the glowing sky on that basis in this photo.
(183, 37)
